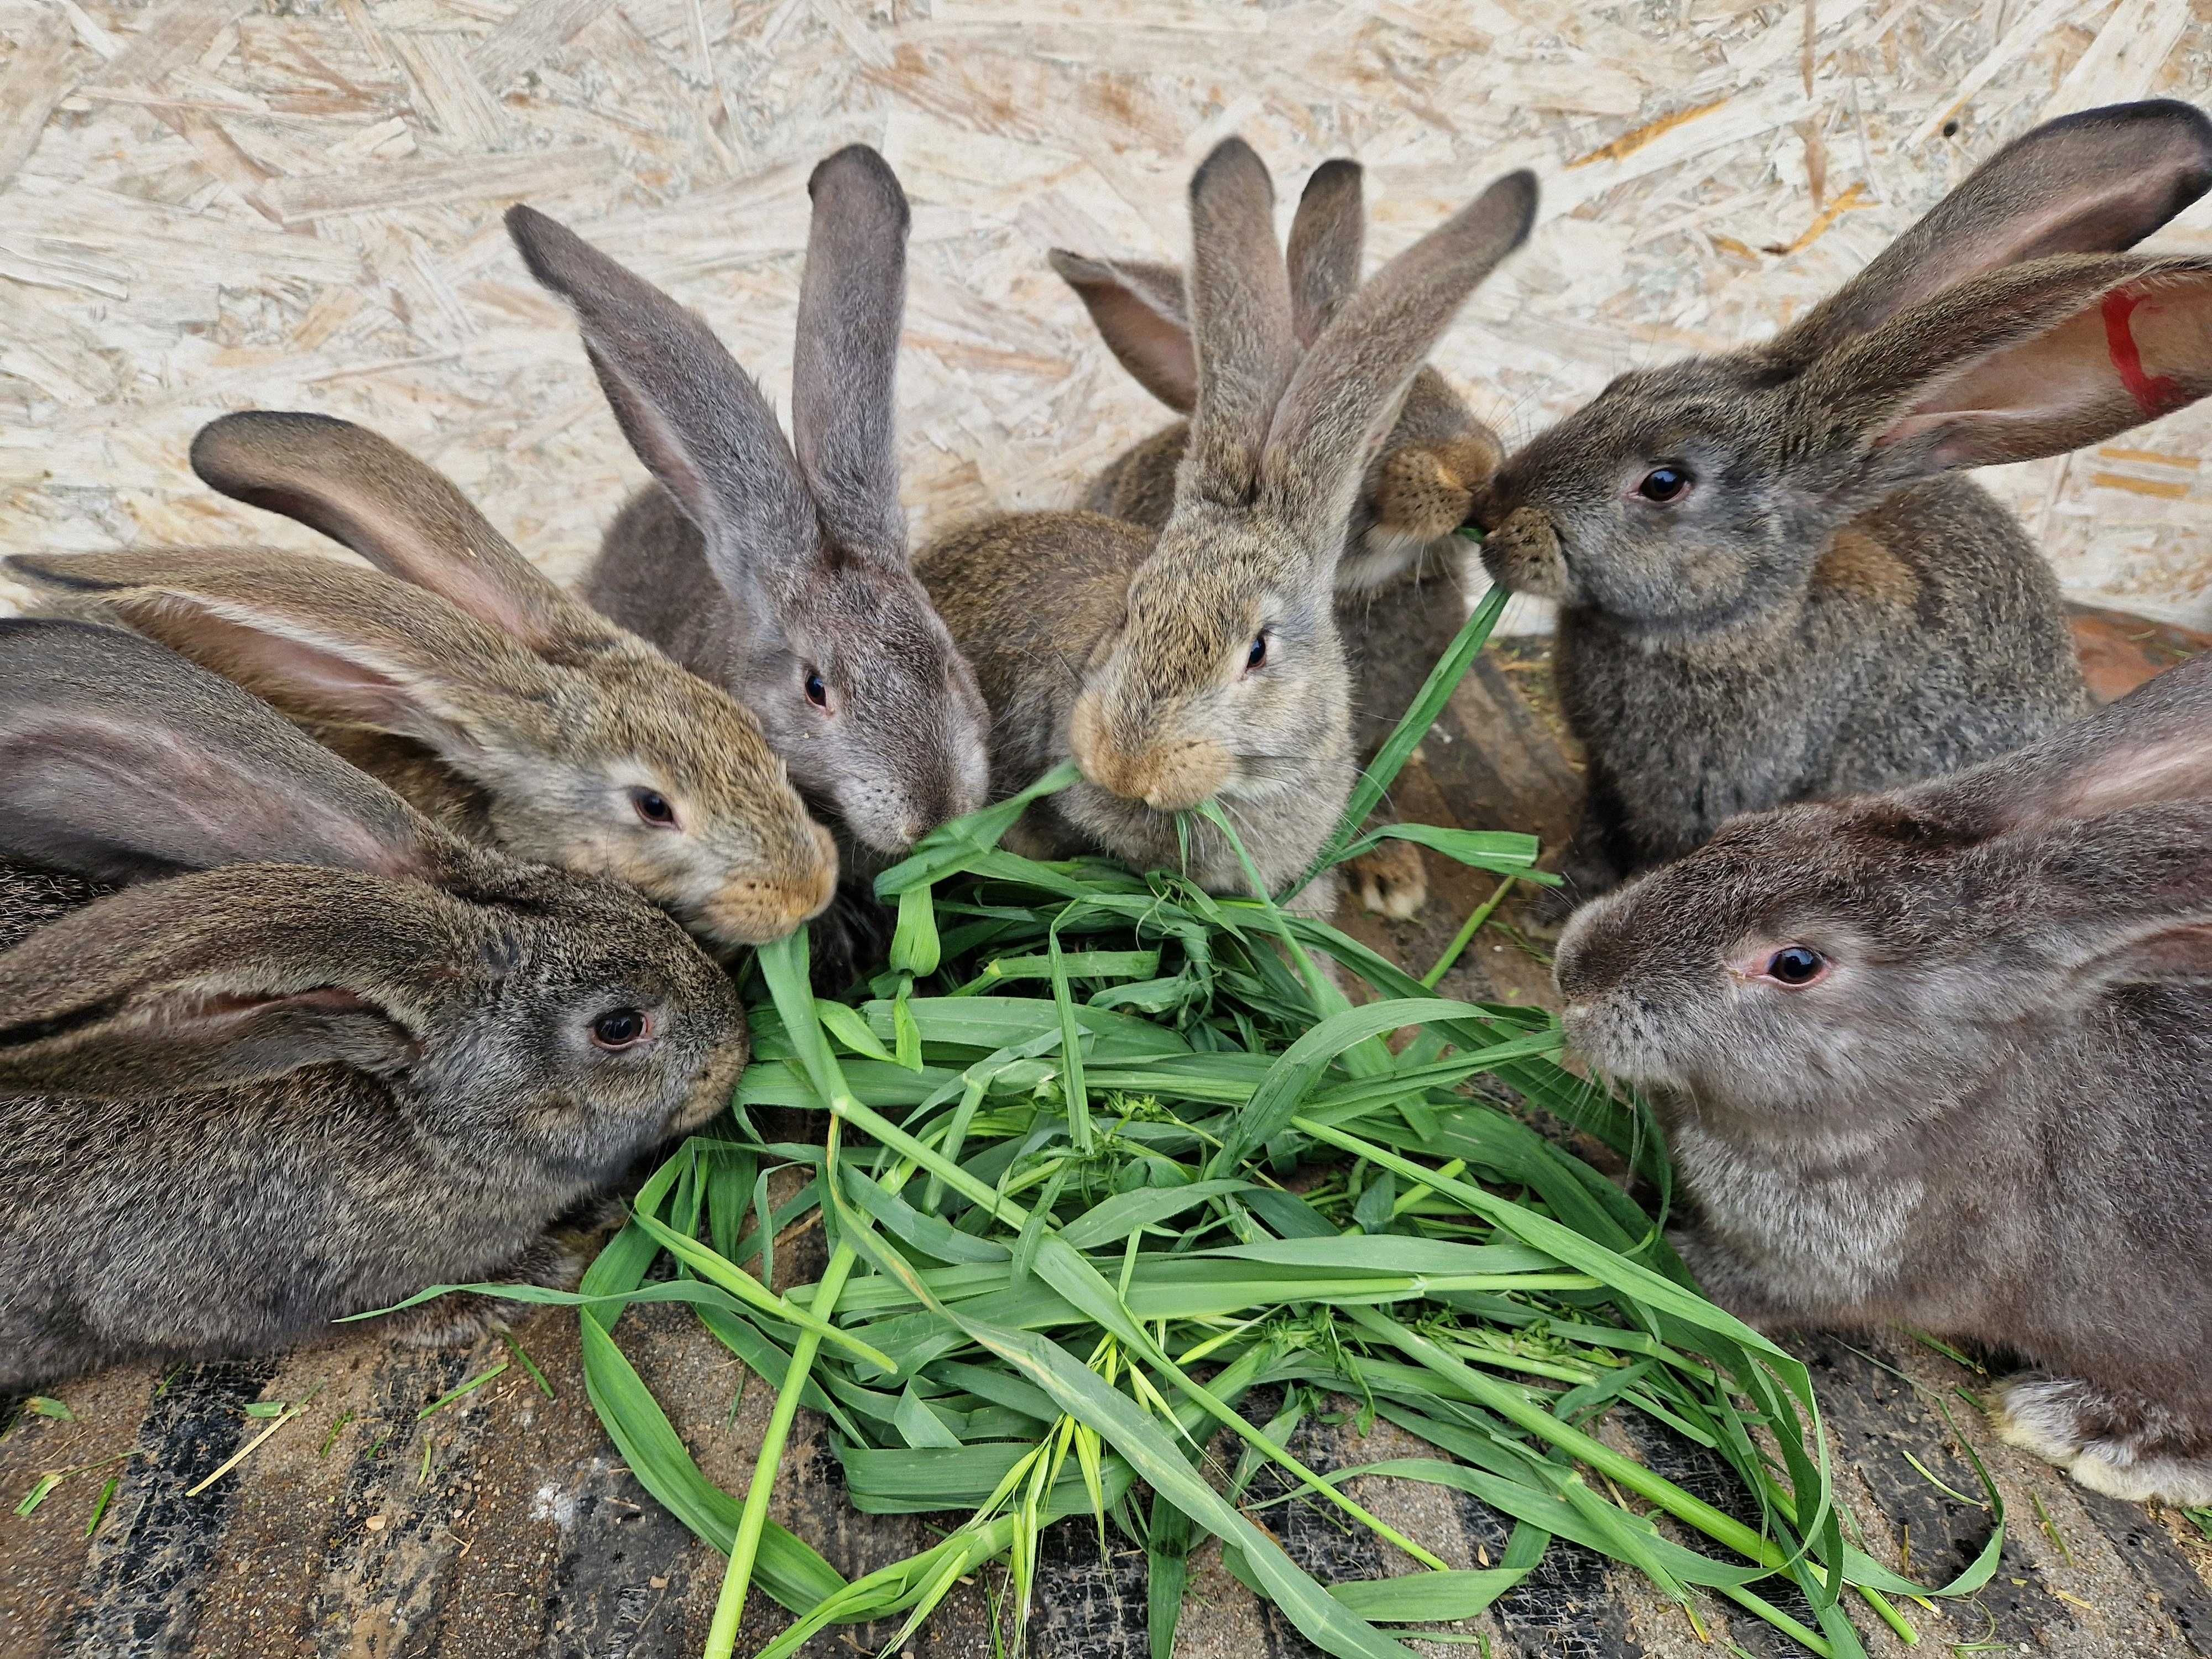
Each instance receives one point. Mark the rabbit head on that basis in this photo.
(582, 745)
(2003, 326)
(1420, 485)
(1224, 674)
(1815, 972)
(840, 654)
(295, 914)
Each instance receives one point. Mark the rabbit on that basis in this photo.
(474, 686)
(782, 576)
(1403, 581)
(314, 1053)
(1205, 663)
(1774, 584)
(1938, 1057)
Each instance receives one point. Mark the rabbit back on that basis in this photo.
(651, 576)
(253, 1191)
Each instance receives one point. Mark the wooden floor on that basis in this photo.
(503, 1526)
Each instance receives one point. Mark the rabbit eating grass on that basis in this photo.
(1775, 585)
(1205, 664)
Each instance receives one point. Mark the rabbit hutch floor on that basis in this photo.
(502, 1524)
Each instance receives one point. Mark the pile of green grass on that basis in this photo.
(1106, 1153)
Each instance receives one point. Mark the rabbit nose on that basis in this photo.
(756, 910)
(1168, 776)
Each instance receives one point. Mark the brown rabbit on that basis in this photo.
(319, 1032)
(1403, 581)
(1205, 663)
(1776, 584)
(470, 682)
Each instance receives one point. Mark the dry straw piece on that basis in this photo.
(208, 205)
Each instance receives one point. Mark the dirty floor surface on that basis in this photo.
(502, 1525)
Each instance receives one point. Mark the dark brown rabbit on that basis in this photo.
(1943, 1058)
(1204, 663)
(1403, 580)
(1775, 583)
(461, 676)
(317, 1054)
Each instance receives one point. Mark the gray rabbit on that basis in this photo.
(316, 1053)
(782, 575)
(1401, 579)
(1775, 583)
(1939, 1058)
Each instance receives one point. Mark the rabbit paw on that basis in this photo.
(454, 1321)
(1391, 880)
(2112, 1441)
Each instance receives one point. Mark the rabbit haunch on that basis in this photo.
(1774, 586)
(316, 1053)
(456, 672)
(1938, 1057)
(1204, 663)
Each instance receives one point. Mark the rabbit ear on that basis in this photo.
(396, 511)
(2096, 182)
(844, 367)
(695, 418)
(1328, 234)
(1349, 387)
(325, 642)
(119, 760)
(2035, 360)
(1240, 304)
(208, 981)
(1142, 314)
(2153, 746)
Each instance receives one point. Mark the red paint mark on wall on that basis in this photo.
(2153, 393)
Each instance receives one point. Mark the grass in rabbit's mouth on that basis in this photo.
(1110, 1161)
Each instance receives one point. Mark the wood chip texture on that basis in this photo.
(213, 204)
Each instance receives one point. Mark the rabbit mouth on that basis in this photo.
(1526, 554)
(759, 911)
(1613, 1033)
(1386, 556)
(710, 1090)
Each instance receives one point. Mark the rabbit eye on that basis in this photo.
(1795, 965)
(817, 690)
(1258, 653)
(1665, 483)
(652, 806)
(620, 1028)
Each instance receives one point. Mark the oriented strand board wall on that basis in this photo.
(207, 205)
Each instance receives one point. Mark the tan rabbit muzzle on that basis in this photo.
(1167, 774)
(759, 910)
(1425, 492)
(1523, 554)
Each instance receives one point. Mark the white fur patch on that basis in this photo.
(2042, 1415)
